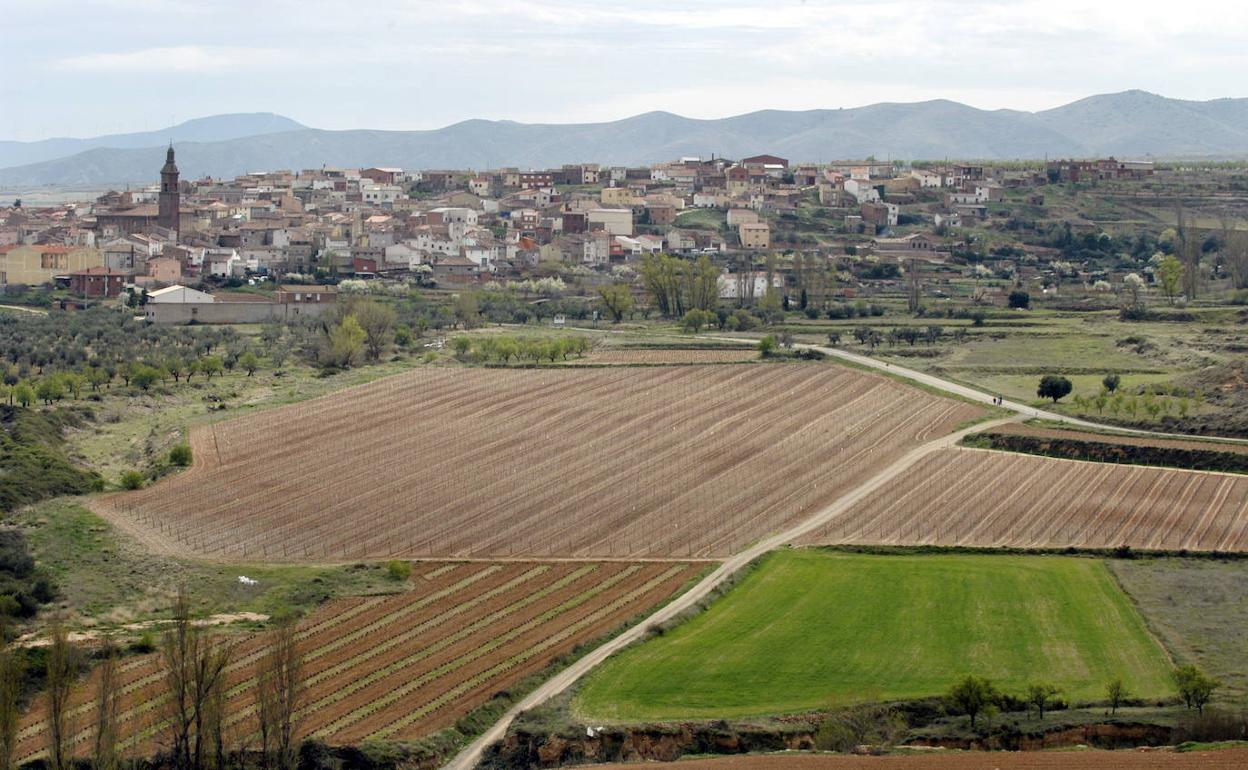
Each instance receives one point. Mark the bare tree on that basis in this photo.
(1187, 248)
(279, 690)
(60, 681)
(107, 702)
(10, 696)
(195, 664)
(1234, 251)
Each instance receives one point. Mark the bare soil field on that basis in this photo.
(972, 497)
(405, 665)
(971, 760)
(657, 356)
(674, 461)
(1022, 429)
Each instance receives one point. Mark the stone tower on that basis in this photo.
(170, 198)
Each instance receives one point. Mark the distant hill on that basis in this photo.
(212, 129)
(1128, 124)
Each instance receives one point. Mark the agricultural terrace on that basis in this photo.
(407, 665)
(812, 629)
(1229, 759)
(677, 461)
(972, 497)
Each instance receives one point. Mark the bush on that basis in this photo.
(880, 727)
(398, 569)
(767, 346)
(132, 480)
(180, 455)
(1019, 300)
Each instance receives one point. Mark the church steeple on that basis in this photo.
(170, 197)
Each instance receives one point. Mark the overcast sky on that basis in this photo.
(89, 67)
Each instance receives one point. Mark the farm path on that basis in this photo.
(471, 755)
(978, 396)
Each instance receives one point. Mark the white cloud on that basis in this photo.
(184, 58)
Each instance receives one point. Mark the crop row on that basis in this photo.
(670, 461)
(367, 660)
(969, 497)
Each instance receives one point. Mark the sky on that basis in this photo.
(92, 67)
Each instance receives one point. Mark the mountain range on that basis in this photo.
(1126, 124)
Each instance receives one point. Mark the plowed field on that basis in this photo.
(407, 665)
(1230, 759)
(677, 461)
(970, 497)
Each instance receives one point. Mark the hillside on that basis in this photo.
(210, 129)
(1132, 123)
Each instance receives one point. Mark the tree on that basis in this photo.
(466, 310)
(144, 377)
(1170, 276)
(461, 345)
(694, 320)
(1019, 300)
(972, 695)
(211, 365)
(344, 344)
(132, 480)
(1054, 386)
(279, 690)
(50, 389)
(1116, 694)
(11, 677)
(1040, 694)
(250, 362)
(1195, 688)
(1111, 382)
(107, 709)
(24, 394)
(195, 664)
(60, 672)
(617, 298)
(377, 321)
(767, 346)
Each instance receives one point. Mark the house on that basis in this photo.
(880, 214)
(455, 269)
(182, 305)
(755, 235)
(36, 264)
(96, 282)
(738, 217)
(614, 221)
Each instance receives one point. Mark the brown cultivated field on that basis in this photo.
(407, 665)
(1230, 759)
(673, 461)
(635, 356)
(1022, 429)
(970, 497)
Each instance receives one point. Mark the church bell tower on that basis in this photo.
(170, 198)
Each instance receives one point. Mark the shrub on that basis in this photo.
(180, 455)
(1019, 300)
(877, 726)
(398, 569)
(767, 346)
(132, 480)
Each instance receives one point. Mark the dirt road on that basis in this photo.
(469, 757)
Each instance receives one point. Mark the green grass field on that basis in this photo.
(813, 629)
